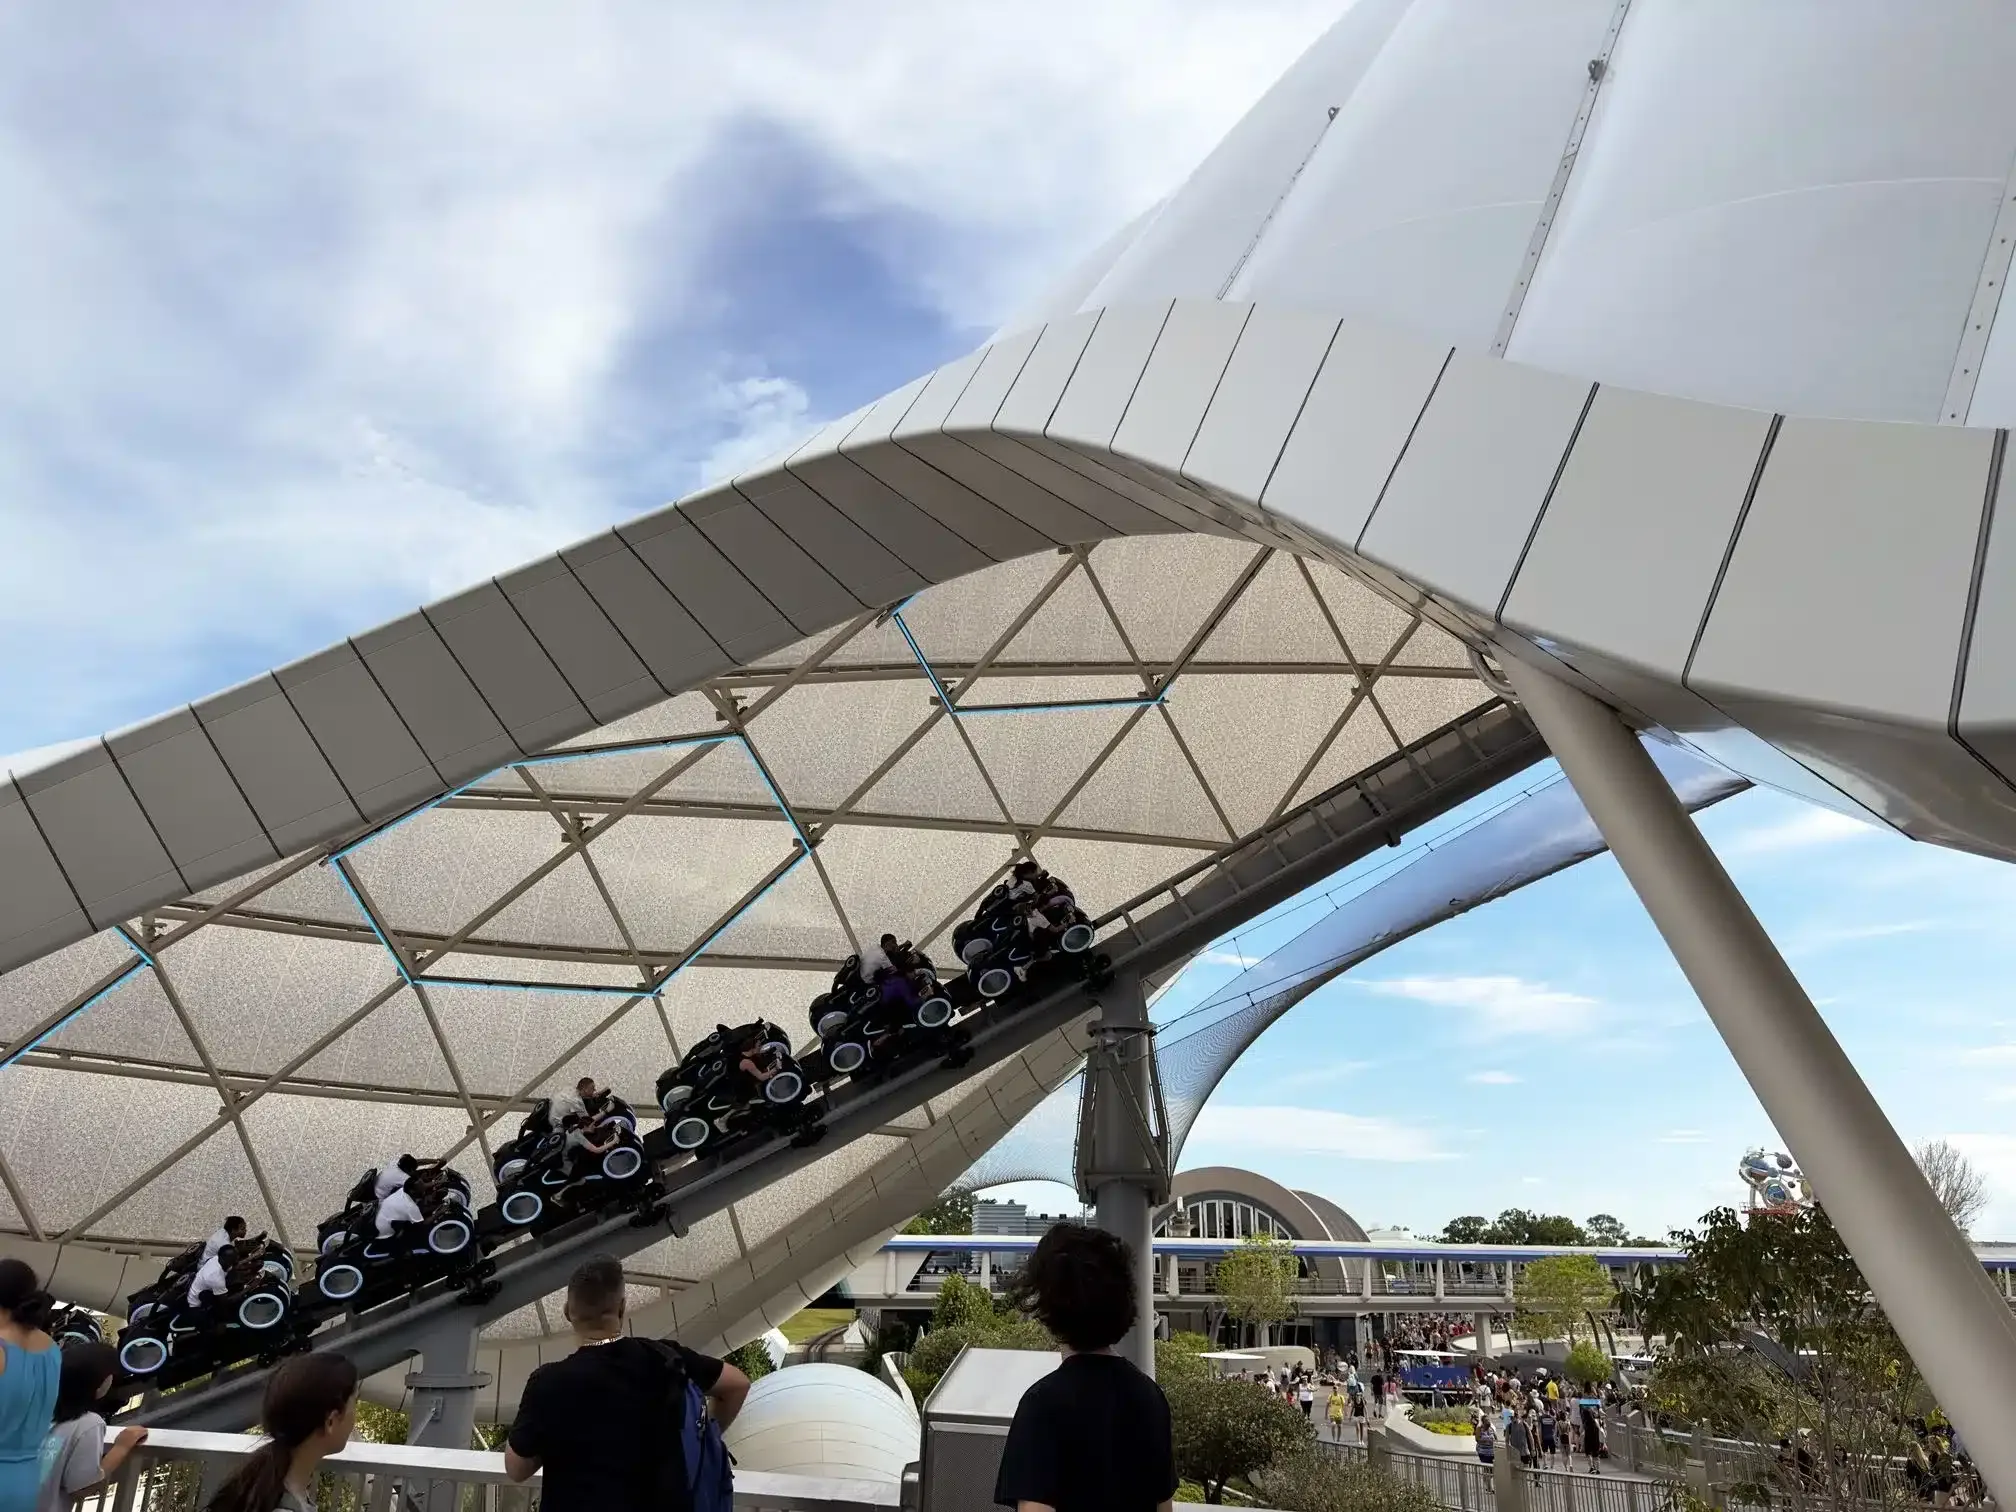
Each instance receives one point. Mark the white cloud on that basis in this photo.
(1319, 1075)
(1804, 830)
(1493, 1078)
(310, 320)
(1234, 1133)
(1989, 1055)
(1501, 1005)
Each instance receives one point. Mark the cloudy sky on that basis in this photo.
(315, 312)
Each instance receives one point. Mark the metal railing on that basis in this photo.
(179, 1471)
(1468, 1485)
(1719, 1465)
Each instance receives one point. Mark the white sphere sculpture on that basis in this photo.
(830, 1420)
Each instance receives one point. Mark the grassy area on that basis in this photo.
(814, 1321)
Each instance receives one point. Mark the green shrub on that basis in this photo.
(752, 1359)
(960, 1304)
(1316, 1482)
(932, 1355)
(1228, 1429)
(1179, 1358)
(1439, 1417)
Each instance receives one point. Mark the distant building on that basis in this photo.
(991, 1217)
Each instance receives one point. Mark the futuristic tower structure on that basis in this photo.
(1642, 353)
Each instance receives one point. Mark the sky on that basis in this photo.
(1543, 1051)
(316, 312)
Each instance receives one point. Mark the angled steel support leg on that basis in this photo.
(1946, 1310)
(442, 1406)
(1123, 1144)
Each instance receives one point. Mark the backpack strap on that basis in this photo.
(668, 1481)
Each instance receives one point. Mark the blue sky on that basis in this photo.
(317, 312)
(1544, 1051)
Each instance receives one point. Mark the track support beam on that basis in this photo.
(442, 1409)
(1944, 1306)
(1123, 1145)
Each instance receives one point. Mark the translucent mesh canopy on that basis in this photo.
(1122, 711)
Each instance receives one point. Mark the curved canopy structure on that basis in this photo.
(1533, 836)
(1215, 531)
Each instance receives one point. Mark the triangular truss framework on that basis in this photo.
(628, 964)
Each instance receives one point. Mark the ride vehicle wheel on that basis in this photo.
(976, 949)
(521, 1207)
(143, 1356)
(333, 1241)
(847, 1057)
(339, 1282)
(690, 1132)
(675, 1097)
(449, 1236)
(1077, 939)
(784, 1088)
(830, 1023)
(622, 1163)
(995, 981)
(79, 1328)
(934, 1012)
(510, 1171)
(263, 1310)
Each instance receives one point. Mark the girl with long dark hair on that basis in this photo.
(74, 1457)
(310, 1408)
(29, 1362)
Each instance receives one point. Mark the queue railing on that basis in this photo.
(179, 1471)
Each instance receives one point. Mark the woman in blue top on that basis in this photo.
(30, 1367)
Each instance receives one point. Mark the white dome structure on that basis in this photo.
(826, 1420)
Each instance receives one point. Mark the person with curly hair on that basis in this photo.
(1093, 1435)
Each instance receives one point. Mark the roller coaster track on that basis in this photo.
(1147, 934)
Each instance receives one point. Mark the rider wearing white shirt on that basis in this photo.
(397, 1206)
(230, 1232)
(210, 1279)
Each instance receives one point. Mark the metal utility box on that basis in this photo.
(966, 1420)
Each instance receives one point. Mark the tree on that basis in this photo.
(1587, 1364)
(1517, 1226)
(1960, 1188)
(1772, 1337)
(1181, 1357)
(950, 1214)
(1556, 1295)
(962, 1303)
(1227, 1429)
(1257, 1281)
(1604, 1229)
(1469, 1229)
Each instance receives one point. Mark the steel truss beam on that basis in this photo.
(959, 671)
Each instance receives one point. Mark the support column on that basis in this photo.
(1482, 1323)
(1123, 1167)
(442, 1406)
(1921, 1268)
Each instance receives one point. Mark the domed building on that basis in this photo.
(1225, 1202)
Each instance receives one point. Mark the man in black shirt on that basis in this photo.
(600, 1421)
(1093, 1435)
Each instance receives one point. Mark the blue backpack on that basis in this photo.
(701, 1476)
